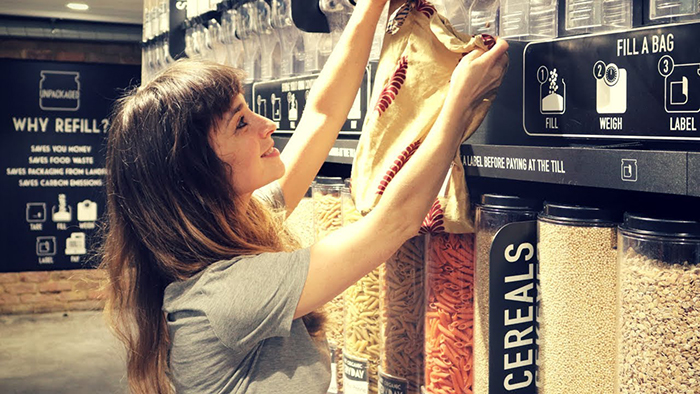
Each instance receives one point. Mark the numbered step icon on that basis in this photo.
(611, 88)
(552, 91)
(681, 86)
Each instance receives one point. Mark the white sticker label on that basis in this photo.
(333, 388)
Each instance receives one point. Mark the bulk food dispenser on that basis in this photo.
(607, 121)
(361, 344)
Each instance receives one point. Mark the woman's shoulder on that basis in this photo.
(240, 270)
(189, 289)
(271, 195)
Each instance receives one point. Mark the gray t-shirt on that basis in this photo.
(232, 331)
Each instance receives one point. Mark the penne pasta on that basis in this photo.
(362, 310)
(328, 218)
(449, 313)
(402, 306)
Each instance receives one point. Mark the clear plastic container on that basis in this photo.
(326, 195)
(245, 28)
(154, 14)
(207, 5)
(216, 42)
(449, 313)
(299, 55)
(324, 49)
(192, 9)
(402, 304)
(528, 19)
(165, 48)
(578, 300)
(312, 44)
(327, 205)
(494, 212)
(457, 12)
(157, 57)
(189, 43)
(659, 305)
(215, 37)
(145, 72)
(483, 17)
(598, 15)
(147, 31)
(214, 4)
(361, 328)
(234, 46)
(146, 26)
(269, 41)
(281, 19)
(195, 42)
(337, 14)
(206, 42)
(301, 222)
(164, 24)
(672, 8)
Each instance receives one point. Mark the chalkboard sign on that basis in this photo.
(55, 119)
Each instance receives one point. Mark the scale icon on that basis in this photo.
(611, 88)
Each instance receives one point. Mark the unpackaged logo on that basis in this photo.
(59, 90)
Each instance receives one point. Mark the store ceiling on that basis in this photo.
(107, 11)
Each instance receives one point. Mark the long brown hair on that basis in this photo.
(171, 208)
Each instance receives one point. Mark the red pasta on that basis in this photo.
(449, 314)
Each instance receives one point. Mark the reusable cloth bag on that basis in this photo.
(421, 50)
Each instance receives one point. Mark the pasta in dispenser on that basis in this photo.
(325, 193)
(402, 304)
(449, 315)
(361, 330)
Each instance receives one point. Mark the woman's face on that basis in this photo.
(243, 140)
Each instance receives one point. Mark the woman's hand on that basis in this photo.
(478, 74)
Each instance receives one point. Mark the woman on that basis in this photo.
(206, 290)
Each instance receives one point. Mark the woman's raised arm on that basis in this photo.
(346, 255)
(329, 102)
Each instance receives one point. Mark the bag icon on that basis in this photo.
(87, 211)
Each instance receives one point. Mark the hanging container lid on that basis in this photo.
(576, 215)
(656, 227)
(499, 201)
(328, 180)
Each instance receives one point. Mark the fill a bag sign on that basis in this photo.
(55, 121)
(637, 84)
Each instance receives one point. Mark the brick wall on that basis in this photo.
(51, 291)
(59, 291)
